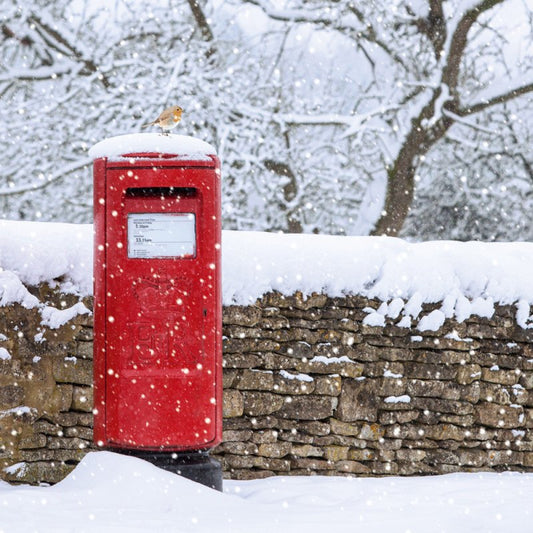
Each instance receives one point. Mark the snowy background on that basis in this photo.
(317, 109)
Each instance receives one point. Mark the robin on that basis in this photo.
(168, 119)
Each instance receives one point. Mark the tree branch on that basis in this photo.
(21, 189)
(203, 25)
(495, 100)
(458, 42)
(54, 39)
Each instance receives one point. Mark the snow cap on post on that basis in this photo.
(152, 144)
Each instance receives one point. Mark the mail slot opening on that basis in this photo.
(157, 235)
(161, 192)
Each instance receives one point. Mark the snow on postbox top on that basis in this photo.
(152, 145)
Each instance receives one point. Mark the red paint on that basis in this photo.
(158, 353)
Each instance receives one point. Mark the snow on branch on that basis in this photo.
(45, 182)
(63, 42)
(459, 26)
(495, 100)
(33, 74)
(352, 122)
(461, 120)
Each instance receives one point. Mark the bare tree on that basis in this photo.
(432, 51)
(330, 117)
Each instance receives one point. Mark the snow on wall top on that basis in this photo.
(466, 278)
(376, 267)
(182, 146)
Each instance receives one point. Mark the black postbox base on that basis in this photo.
(196, 466)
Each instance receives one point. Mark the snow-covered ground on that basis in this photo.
(110, 493)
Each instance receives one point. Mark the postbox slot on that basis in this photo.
(161, 192)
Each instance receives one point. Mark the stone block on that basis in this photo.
(336, 453)
(293, 383)
(457, 420)
(415, 370)
(261, 403)
(528, 459)
(274, 449)
(365, 455)
(351, 467)
(310, 464)
(338, 427)
(471, 393)
(241, 346)
(504, 457)
(266, 436)
(358, 401)
(378, 369)
(237, 448)
(228, 377)
(391, 386)
(328, 385)
(297, 349)
(383, 468)
(398, 417)
(80, 432)
(411, 456)
(526, 379)
(61, 398)
(241, 315)
(468, 374)
(315, 427)
(371, 432)
(67, 443)
(308, 407)
(232, 404)
(40, 472)
(72, 419)
(296, 437)
(76, 371)
(11, 396)
(82, 399)
(443, 432)
(274, 322)
(229, 435)
(500, 416)
(251, 379)
(307, 450)
(439, 405)
(332, 365)
(84, 350)
(241, 360)
(37, 440)
(494, 393)
(271, 463)
(503, 377)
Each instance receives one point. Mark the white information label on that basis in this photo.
(152, 235)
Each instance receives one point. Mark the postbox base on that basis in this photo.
(196, 466)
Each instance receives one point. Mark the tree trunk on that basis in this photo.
(401, 177)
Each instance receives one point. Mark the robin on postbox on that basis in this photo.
(168, 119)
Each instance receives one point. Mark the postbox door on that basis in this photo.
(161, 306)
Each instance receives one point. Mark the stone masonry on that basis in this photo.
(308, 389)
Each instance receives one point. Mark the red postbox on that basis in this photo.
(157, 290)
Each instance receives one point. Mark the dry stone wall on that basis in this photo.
(308, 389)
(45, 388)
